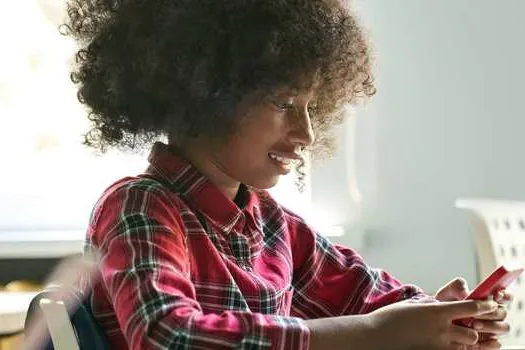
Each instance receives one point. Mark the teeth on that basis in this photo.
(280, 159)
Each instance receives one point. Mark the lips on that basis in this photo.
(284, 160)
(280, 159)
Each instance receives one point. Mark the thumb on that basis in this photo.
(467, 308)
(456, 289)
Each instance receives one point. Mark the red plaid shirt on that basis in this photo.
(183, 266)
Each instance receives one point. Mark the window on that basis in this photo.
(50, 181)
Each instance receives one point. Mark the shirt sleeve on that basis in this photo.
(332, 280)
(145, 267)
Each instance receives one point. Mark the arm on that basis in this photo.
(404, 325)
(332, 280)
(145, 267)
(352, 306)
(343, 332)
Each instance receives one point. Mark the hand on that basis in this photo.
(425, 324)
(490, 325)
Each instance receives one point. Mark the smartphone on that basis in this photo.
(499, 279)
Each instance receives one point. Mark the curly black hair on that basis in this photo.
(147, 68)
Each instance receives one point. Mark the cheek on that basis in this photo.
(248, 152)
(246, 157)
(264, 124)
(239, 156)
(248, 162)
(257, 137)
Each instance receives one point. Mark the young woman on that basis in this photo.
(195, 253)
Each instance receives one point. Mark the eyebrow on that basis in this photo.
(290, 92)
(286, 91)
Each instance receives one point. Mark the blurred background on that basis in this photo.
(447, 122)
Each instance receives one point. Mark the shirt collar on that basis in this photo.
(187, 181)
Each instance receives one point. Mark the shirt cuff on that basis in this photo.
(288, 333)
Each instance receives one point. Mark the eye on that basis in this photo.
(284, 106)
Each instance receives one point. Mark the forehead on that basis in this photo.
(264, 95)
(302, 84)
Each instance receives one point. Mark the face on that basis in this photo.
(268, 142)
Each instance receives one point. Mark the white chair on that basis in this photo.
(59, 325)
(499, 232)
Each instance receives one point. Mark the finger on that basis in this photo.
(489, 344)
(456, 346)
(499, 296)
(508, 297)
(484, 337)
(466, 308)
(456, 289)
(463, 335)
(499, 315)
(493, 327)
(503, 297)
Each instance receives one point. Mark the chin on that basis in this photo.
(264, 184)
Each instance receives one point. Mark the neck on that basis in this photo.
(209, 167)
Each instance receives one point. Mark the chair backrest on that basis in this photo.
(499, 232)
(69, 322)
(59, 325)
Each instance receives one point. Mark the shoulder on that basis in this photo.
(140, 195)
(137, 215)
(137, 184)
(137, 187)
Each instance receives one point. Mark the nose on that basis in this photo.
(301, 131)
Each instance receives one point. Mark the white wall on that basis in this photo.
(447, 121)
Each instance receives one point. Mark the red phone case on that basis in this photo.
(499, 279)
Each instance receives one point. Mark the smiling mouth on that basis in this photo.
(283, 160)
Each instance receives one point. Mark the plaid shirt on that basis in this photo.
(183, 266)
